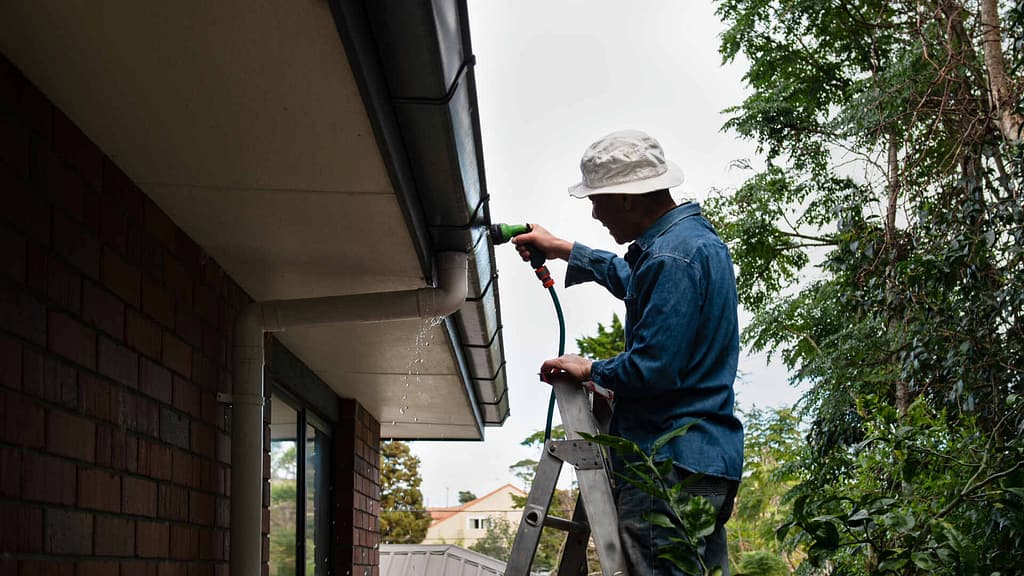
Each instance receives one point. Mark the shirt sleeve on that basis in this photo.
(667, 309)
(589, 265)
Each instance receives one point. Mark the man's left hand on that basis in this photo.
(570, 364)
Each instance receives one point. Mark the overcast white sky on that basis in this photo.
(552, 77)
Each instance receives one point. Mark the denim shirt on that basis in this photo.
(682, 341)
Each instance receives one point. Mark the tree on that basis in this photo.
(891, 134)
(466, 496)
(606, 343)
(772, 446)
(497, 541)
(403, 520)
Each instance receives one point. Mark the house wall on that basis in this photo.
(115, 333)
(456, 528)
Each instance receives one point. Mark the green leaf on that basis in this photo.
(923, 560)
(658, 519)
(698, 517)
(667, 437)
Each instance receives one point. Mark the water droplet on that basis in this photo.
(415, 419)
(405, 397)
(392, 422)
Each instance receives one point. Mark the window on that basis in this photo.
(299, 490)
(479, 523)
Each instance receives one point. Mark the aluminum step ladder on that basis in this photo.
(595, 513)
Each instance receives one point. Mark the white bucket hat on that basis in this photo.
(626, 162)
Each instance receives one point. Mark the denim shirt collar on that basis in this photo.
(660, 226)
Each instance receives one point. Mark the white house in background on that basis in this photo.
(465, 525)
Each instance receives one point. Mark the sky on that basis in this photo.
(552, 77)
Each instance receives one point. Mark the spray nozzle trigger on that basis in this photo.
(501, 233)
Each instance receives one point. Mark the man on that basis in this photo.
(681, 331)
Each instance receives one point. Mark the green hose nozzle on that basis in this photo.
(501, 233)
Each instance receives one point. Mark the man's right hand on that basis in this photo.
(540, 239)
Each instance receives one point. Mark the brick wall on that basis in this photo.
(115, 333)
(357, 498)
(114, 340)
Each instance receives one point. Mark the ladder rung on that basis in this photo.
(566, 525)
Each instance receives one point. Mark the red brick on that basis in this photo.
(22, 314)
(23, 423)
(62, 185)
(47, 479)
(77, 149)
(188, 327)
(172, 502)
(103, 309)
(213, 344)
(179, 281)
(203, 439)
(174, 428)
(160, 226)
(152, 539)
(138, 568)
(173, 569)
(208, 406)
(115, 536)
(99, 490)
(120, 277)
(184, 543)
(72, 241)
(70, 435)
(26, 211)
(50, 378)
(118, 363)
(71, 339)
(121, 190)
(186, 396)
(149, 417)
(206, 305)
(55, 280)
(150, 256)
(139, 497)
(177, 355)
(154, 460)
(202, 508)
(47, 567)
(183, 464)
(116, 448)
(113, 225)
(143, 334)
(15, 146)
(157, 303)
(21, 532)
(10, 472)
(94, 397)
(67, 532)
(204, 372)
(124, 409)
(97, 567)
(12, 255)
(155, 381)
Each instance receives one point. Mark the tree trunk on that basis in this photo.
(1010, 123)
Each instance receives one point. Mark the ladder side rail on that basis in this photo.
(537, 503)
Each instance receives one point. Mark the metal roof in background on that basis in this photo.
(436, 560)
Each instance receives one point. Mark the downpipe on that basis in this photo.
(247, 391)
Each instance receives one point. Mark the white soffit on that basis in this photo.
(242, 121)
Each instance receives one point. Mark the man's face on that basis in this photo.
(610, 211)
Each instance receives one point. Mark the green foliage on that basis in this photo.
(607, 343)
(403, 520)
(466, 496)
(887, 172)
(498, 540)
(773, 444)
(693, 517)
(762, 564)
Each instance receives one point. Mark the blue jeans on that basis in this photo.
(641, 539)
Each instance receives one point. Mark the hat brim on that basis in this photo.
(671, 178)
